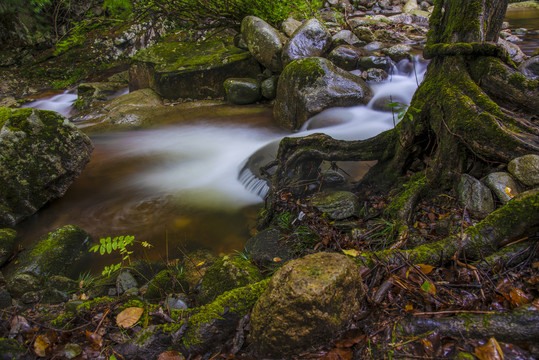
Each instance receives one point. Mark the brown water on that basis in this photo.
(528, 19)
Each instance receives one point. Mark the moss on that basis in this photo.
(100, 301)
(407, 197)
(62, 320)
(238, 301)
(11, 347)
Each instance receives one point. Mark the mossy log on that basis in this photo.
(510, 221)
(518, 325)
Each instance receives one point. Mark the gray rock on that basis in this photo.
(474, 195)
(31, 297)
(125, 281)
(373, 46)
(290, 25)
(514, 51)
(5, 299)
(403, 18)
(53, 296)
(173, 302)
(498, 182)
(376, 75)
(41, 154)
(398, 52)
(337, 205)
(71, 306)
(525, 169)
(20, 284)
(378, 62)
(7, 242)
(311, 39)
(530, 67)
(364, 33)
(307, 303)
(345, 37)
(308, 86)
(410, 6)
(242, 91)
(62, 283)
(268, 87)
(265, 43)
(264, 247)
(186, 70)
(57, 253)
(390, 36)
(345, 57)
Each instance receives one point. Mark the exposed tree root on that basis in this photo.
(518, 325)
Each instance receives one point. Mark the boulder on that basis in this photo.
(501, 183)
(125, 281)
(474, 195)
(378, 62)
(525, 169)
(308, 86)
(60, 252)
(376, 75)
(364, 33)
(265, 42)
(41, 154)
(311, 39)
(345, 37)
(20, 284)
(242, 91)
(195, 266)
(227, 273)
(345, 57)
(190, 70)
(307, 303)
(337, 205)
(266, 247)
(398, 52)
(268, 87)
(513, 50)
(7, 242)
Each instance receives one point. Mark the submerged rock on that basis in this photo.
(265, 42)
(308, 86)
(307, 303)
(311, 39)
(190, 70)
(41, 154)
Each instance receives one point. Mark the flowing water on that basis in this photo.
(528, 19)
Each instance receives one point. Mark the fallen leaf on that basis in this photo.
(277, 259)
(200, 264)
(508, 192)
(129, 317)
(351, 252)
(41, 346)
(409, 307)
(425, 269)
(170, 355)
(96, 341)
(519, 297)
(428, 287)
(490, 351)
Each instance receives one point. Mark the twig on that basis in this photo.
(454, 312)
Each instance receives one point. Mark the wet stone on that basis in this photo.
(500, 181)
(242, 91)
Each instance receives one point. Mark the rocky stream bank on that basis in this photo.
(301, 288)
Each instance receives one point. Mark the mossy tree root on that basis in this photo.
(514, 326)
(509, 257)
(511, 221)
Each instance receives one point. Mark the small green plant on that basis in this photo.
(284, 220)
(120, 244)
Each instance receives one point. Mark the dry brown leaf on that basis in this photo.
(490, 351)
(96, 341)
(129, 317)
(170, 355)
(519, 297)
(41, 346)
(426, 269)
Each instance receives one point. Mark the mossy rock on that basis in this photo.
(310, 85)
(89, 93)
(7, 242)
(307, 302)
(59, 252)
(20, 284)
(164, 282)
(242, 91)
(337, 205)
(525, 169)
(265, 42)
(11, 349)
(195, 265)
(227, 273)
(41, 154)
(190, 70)
(265, 246)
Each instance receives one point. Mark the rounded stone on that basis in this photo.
(345, 57)
(20, 284)
(345, 37)
(268, 87)
(378, 62)
(398, 52)
(525, 169)
(307, 303)
(376, 75)
(337, 205)
(242, 91)
(265, 42)
(311, 39)
(265, 246)
(501, 183)
(474, 195)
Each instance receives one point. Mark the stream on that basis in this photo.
(177, 186)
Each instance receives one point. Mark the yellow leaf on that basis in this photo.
(508, 192)
(428, 287)
(200, 263)
(426, 269)
(277, 259)
(41, 346)
(408, 307)
(129, 317)
(490, 351)
(351, 252)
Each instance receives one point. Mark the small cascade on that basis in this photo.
(61, 103)
(350, 123)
